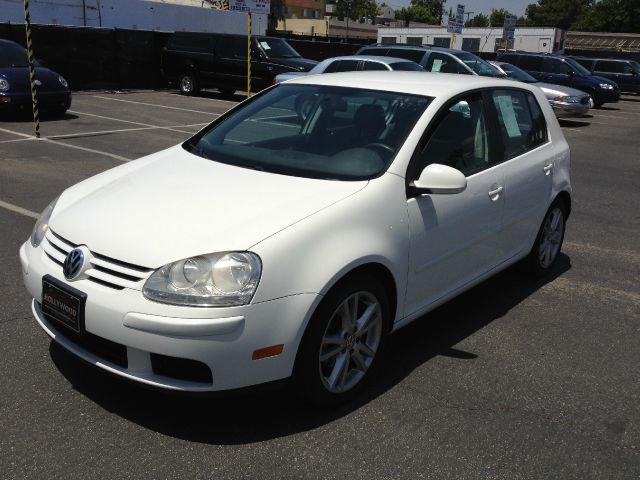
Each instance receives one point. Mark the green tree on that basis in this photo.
(497, 17)
(276, 13)
(480, 20)
(557, 13)
(621, 16)
(434, 7)
(356, 9)
(416, 13)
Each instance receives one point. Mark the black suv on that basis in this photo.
(435, 59)
(205, 60)
(626, 73)
(563, 70)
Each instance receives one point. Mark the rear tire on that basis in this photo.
(546, 248)
(344, 341)
(188, 84)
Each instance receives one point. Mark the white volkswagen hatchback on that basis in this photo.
(291, 236)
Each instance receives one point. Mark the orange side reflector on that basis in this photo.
(271, 351)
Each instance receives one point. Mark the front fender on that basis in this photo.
(312, 255)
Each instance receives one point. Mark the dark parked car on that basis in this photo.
(53, 92)
(563, 70)
(209, 60)
(435, 59)
(626, 73)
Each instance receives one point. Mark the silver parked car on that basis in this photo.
(353, 63)
(565, 101)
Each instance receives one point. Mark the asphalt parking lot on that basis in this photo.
(514, 379)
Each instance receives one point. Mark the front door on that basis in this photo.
(455, 238)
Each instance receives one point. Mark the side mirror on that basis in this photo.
(439, 179)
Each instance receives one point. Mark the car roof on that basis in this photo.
(414, 83)
(8, 42)
(373, 58)
(403, 46)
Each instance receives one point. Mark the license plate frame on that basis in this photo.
(63, 304)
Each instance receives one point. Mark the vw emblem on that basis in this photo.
(73, 264)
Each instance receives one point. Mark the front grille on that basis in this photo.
(181, 368)
(105, 271)
(100, 347)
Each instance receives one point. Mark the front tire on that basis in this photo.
(343, 343)
(548, 243)
(188, 84)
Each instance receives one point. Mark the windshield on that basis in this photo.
(515, 73)
(477, 64)
(13, 56)
(277, 48)
(579, 69)
(313, 131)
(407, 67)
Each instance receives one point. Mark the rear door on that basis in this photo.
(528, 167)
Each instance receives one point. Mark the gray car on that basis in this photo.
(565, 101)
(353, 63)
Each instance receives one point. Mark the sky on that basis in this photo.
(478, 6)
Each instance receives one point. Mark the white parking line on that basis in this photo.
(16, 140)
(154, 105)
(129, 121)
(16, 209)
(119, 130)
(13, 132)
(85, 149)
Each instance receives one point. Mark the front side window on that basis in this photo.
(556, 66)
(460, 138)
(441, 63)
(313, 131)
(521, 123)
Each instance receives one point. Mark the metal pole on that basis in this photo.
(248, 54)
(32, 74)
(84, 13)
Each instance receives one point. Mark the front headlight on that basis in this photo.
(42, 224)
(216, 280)
(4, 85)
(606, 86)
(567, 99)
(62, 81)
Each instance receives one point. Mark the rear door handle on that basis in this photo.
(547, 168)
(495, 193)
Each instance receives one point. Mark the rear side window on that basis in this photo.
(529, 62)
(375, 51)
(609, 67)
(521, 123)
(407, 67)
(374, 66)
(413, 55)
(346, 66)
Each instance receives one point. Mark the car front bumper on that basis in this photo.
(221, 340)
(566, 109)
(607, 96)
(46, 101)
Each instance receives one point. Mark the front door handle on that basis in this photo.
(547, 168)
(495, 193)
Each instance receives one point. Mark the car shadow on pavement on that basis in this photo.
(565, 122)
(233, 419)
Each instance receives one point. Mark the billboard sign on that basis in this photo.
(509, 29)
(250, 6)
(455, 24)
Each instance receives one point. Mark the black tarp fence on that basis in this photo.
(116, 58)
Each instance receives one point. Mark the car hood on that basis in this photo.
(19, 79)
(297, 63)
(552, 90)
(173, 205)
